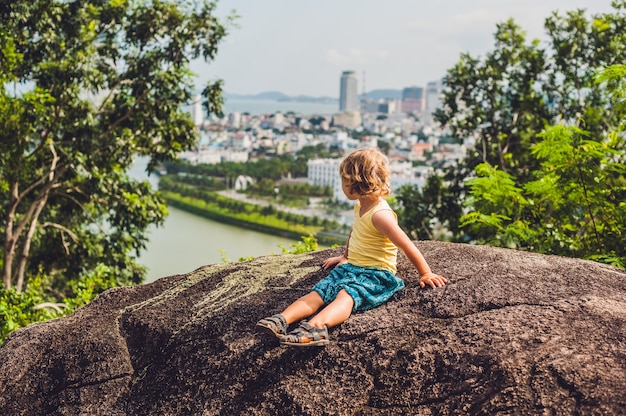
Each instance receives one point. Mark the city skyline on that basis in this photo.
(302, 48)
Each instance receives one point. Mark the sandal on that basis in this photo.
(306, 335)
(275, 325)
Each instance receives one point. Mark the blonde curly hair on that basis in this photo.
(366, 172)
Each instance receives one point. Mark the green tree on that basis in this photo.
(576, 203)
(503, 101)
(495, 101)
(580, 47)
(87, 86)
(384, 146)
(433, 212)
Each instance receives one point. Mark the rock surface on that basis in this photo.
(513, 333)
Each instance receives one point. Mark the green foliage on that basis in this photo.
(575, 205)
(37, 304)
(86, 87)
(432, 212)
(496, 101)
(307, 245)
(556, 189)
(91, 285)
(317, 151)
(231, 211)
(18, 309)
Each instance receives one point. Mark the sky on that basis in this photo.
(301, 48)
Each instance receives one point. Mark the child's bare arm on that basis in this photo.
(385, 221)
(333, 261)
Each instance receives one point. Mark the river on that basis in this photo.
(258, 107)
(186, 241)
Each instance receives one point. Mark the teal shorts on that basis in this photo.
(368, 286)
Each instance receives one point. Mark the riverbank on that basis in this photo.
(188, 241)
(251, 221)
(268, 219)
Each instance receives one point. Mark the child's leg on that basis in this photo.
(315, 332)
(304, 307)
(336, 312)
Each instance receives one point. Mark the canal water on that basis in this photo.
(186, 241)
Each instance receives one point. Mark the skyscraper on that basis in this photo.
(414, 93)
(197, 113)
(412, 100)
(433, 94)
(433, 101)
(348, 96)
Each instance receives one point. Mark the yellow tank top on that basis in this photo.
(367, 246)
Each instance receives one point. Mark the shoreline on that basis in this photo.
(199, 207)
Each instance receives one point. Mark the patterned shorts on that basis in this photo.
(368, 286)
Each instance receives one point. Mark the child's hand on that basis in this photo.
(329, 263)
(433, 280)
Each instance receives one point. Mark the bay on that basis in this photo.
(258, 107)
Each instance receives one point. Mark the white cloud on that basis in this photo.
(355, 56)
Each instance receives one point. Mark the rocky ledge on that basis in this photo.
(512, 333)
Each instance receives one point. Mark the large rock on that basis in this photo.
(512, 333)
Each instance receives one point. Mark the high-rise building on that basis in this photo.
(197, 114)
(412, 100)
(433, 100)
(348, 96)
(433, 96)
(415, 93)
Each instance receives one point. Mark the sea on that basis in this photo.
(258, 107)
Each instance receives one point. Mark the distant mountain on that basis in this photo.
(279, 96)
(383, 95)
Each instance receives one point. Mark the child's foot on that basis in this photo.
(306, 335)
(275, 326)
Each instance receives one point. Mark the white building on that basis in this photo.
(197, 115)
(298, 140)
(239, 141)
(213, 156)
(207, 156)
(340, 140)
(234, 120)
(279, 119)
(234, 156)
(323, 172)
(348, 119)
(398, 181)
(433, 101)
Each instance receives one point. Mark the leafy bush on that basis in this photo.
(18, 310)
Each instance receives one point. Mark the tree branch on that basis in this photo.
(32, 213)
(21, 267)
(64, 230)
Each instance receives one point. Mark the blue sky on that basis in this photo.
(299, 47)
